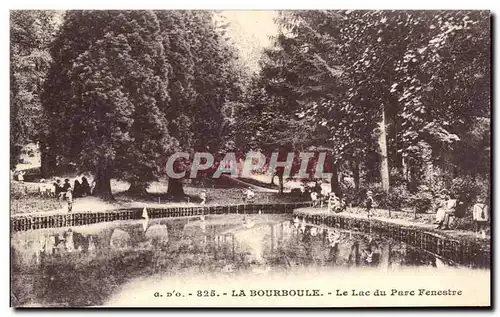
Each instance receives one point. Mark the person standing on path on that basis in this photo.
(65, 188)
(58, 190)
(480, 215)
(20, 176)
(314, 198)
(77, 189)
(249, 195)
(333, 203)
(203, 197)
(85, 187)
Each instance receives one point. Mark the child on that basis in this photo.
(203, 197)
(20, 176)
(480, 216)
(64, 189)
(249, 195)
(314, 198)
(43, 188)
(333, 202)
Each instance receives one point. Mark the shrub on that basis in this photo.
(466, 190)
(357, 197)
(350, 194)
(398, 197)
(421, 201)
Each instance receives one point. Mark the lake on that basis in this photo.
(102, 264)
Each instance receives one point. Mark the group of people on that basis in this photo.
(67, 193)
(79, 189)
(316, 193)
(248, 196)
(445, 208)
(335, 203)
(58, 244)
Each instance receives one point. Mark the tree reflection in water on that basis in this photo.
(84, 265)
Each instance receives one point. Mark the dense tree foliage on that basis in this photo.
(394, 97)
(398, 89)
(128, 88)
(31, 32)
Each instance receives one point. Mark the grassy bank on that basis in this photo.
(30, 202)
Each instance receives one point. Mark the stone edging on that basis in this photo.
(24, 223)
(463, 252)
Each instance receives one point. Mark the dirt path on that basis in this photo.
(92, 204)
(242, 183)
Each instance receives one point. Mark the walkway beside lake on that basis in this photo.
(453, 234)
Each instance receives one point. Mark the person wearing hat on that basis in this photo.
(480, 215)
(64, 189)
(439, 207)
(66, 185)
(369, 203)
(333, 203)
(20, 176)
(203, 197)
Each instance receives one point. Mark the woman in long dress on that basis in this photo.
(449, 207)
(439, 208)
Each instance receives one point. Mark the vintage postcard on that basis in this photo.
(318, 158)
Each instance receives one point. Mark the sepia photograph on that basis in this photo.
(250, 158)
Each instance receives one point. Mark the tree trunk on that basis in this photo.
(354, 255)
(175, 189)
(47, 161)
(280, 171)
(138, 189)
(334, 181)
(404, 164)
(280, 179)
(355, 173)
(103, 182)
(384, 164)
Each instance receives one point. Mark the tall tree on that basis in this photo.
(128, 88)
(368, 77)
(31, 32)
(118, 85)
(206, 78)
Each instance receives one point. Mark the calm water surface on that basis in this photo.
(86, 265)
